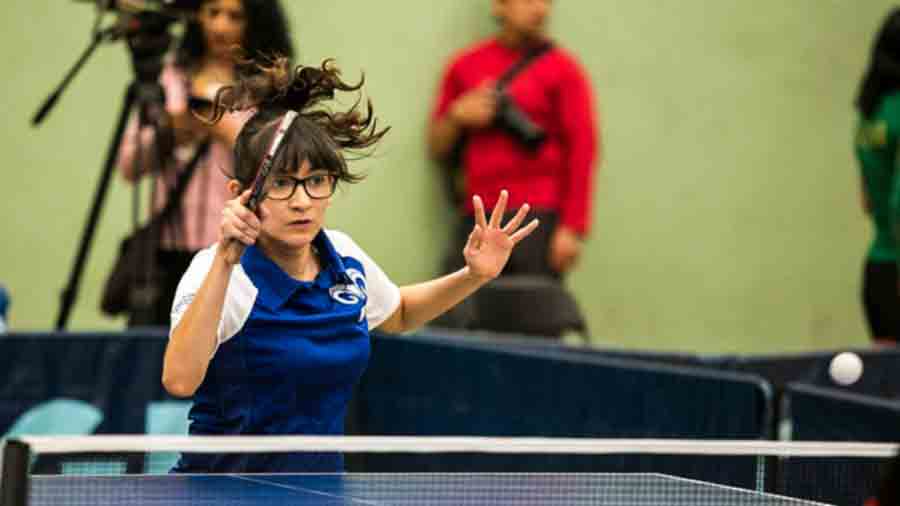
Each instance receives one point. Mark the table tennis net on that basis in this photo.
(136, 470)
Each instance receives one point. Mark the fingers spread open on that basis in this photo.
(480, 219)
(525, 231)
(517, 219)
(499, 209)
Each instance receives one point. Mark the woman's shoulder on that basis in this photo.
(345, 246)
(202, 263)
(342, 242)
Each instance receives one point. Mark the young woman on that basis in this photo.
(270, 327)
(223, 33)
(877, 148)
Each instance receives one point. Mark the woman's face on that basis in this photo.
(223, 23)
(295, 222)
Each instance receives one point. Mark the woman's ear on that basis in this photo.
(234, 187)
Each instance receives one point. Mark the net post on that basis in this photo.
(14, 473)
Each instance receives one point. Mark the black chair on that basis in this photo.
(538, 306)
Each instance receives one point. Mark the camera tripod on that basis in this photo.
(148, 40)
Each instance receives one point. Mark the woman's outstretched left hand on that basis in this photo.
(491, 242)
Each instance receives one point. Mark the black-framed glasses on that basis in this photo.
(316, 186)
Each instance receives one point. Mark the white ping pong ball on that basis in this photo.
(846, 368)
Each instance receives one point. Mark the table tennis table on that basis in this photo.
(612, 489)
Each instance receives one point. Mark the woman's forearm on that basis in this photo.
(423, 302)
(194, 339)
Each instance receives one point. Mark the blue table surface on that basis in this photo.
(380, 489)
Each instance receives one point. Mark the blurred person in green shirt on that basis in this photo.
(877, 143)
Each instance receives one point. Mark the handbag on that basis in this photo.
(135, 281)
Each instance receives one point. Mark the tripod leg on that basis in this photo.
(71, 289)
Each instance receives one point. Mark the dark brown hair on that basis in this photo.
(318, 135)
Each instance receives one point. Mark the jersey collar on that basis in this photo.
(276, 287)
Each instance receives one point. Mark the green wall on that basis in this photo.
(727, 211)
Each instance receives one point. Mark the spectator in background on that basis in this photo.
(4, 307)
(556, 176)
(223, 34)
(877, 143)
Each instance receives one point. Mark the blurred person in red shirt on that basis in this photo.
(553, 92)
(516, 112)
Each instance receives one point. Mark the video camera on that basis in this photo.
(509, 117)
(145, 25)
(173, 8)
(513, 121)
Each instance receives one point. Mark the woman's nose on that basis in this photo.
(300, 199)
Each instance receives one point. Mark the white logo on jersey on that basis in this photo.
(182, 306)
(350, 293)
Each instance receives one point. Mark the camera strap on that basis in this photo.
(453, 161)
(530, 56)
(173, 199)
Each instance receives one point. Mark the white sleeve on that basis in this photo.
(382, 295)
(239, 296)
(190, 284)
